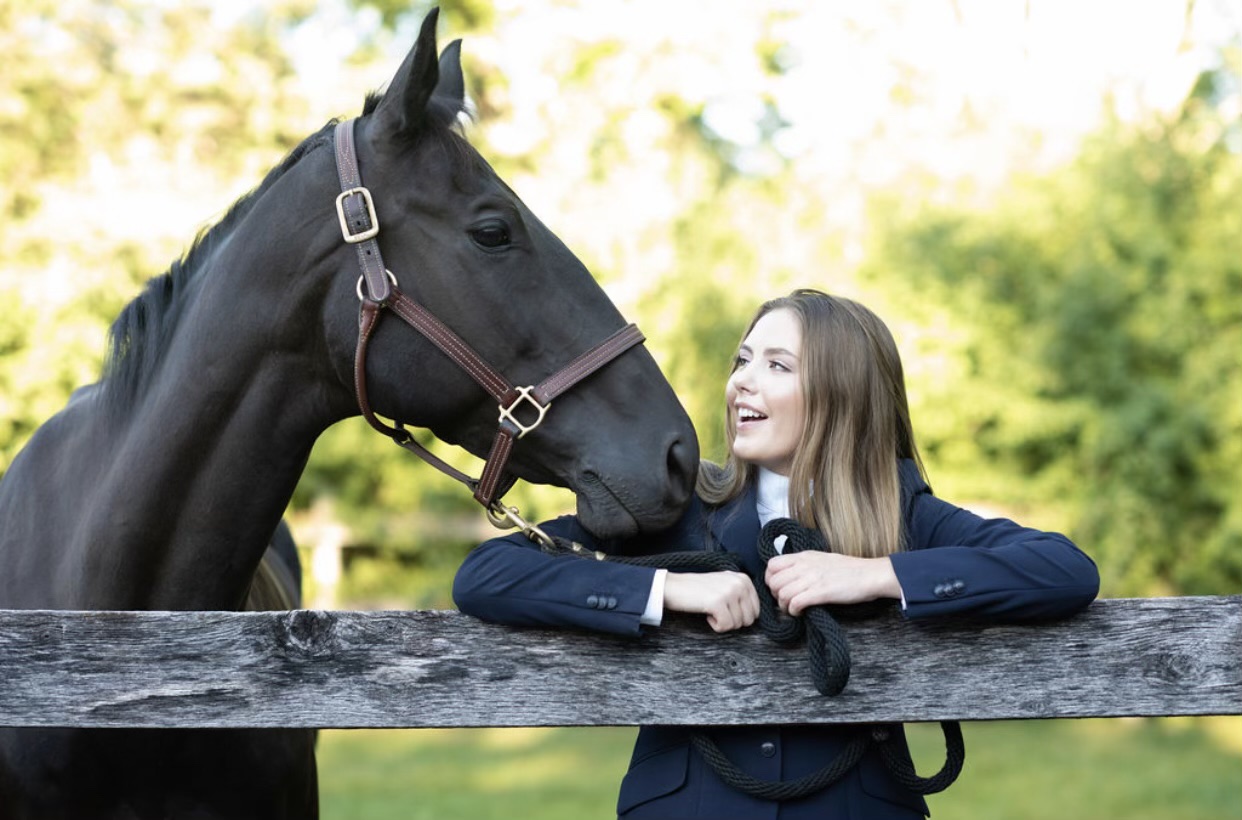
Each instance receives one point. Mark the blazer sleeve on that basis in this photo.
(511, 581)
(958, 563)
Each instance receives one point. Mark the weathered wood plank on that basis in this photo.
(1162, 656)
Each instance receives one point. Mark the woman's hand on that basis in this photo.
(811, 578)
(728, 599)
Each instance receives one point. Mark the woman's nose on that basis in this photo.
(740, 381)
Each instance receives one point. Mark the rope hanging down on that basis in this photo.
(826, 644)
(829, 655)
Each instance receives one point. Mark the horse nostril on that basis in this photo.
(683, 465)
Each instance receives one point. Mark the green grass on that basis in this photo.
(472, 774)
(1172, 769)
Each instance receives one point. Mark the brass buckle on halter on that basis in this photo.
(524, 394)
(503, 518)
(362, 236)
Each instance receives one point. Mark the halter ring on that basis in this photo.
(392, 277)
(524, 394)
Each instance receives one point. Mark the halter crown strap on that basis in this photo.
(360, 226)
(356, 211)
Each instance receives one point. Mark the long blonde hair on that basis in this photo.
(844, 478)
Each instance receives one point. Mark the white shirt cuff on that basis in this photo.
(654, 613)
(899, 587)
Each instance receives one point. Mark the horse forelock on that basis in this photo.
(442, 126)
(137, 338)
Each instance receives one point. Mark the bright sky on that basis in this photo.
(951, 85)
(960, 88)
(971, 89)
(902, 68)
(1037, 63)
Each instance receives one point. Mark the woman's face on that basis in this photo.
(764, 394)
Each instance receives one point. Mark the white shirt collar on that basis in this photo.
(773, 496)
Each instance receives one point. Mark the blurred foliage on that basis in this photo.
(93, 96)
(458, 16)
(1100, 319)
(1071, 344)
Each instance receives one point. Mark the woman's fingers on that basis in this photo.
(728, 599)
(812, 578)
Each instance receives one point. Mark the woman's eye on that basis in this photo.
(491, 235)
(739, 362)
(775, 365)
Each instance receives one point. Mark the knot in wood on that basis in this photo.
(312, 631)
(1173, 667)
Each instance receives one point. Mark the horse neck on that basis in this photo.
(205, 463)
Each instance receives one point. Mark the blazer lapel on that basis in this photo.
(735, 529)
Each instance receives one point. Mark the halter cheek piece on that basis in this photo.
(360, 227)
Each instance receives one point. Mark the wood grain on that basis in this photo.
(329, 669)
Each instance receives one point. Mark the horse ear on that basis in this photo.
(419, 90)
(451, 88)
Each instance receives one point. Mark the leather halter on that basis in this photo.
(360, 227)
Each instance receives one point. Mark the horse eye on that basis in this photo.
(491, 235)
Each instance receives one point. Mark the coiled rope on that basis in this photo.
(829, 656)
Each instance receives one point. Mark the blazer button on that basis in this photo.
(958, 586)
(940, 590)
(612, 602)
(593, 601)
(767, 749)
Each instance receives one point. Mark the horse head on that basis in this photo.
(461, 245)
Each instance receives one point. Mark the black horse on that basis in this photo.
(161, 486)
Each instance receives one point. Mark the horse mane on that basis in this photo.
(139, 335)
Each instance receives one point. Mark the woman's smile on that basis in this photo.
(748, 416)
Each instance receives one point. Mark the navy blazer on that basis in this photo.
(955, 562)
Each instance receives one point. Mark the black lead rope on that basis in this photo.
(829, 654)
(827, 647)
(728, 771)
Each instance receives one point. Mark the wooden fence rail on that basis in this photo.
(329, 669)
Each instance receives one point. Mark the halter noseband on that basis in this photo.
(360, 227)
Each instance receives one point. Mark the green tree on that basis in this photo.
(108, 113)
(1094, 326)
